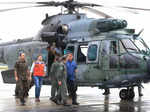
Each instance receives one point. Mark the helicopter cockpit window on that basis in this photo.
(82, 53)
(92, 52)
(140, 45)
(128, 61)
(129, 45)
(121, 48)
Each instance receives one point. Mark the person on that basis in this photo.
(38, 69)
(54, 84)
(30, 83)
(71, 80)
(61, 80)
(21, 73)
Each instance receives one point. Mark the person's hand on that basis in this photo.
(16, 78)
(30, 78)
(59, 83)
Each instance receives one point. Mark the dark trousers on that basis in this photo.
(23, 89)
(72, 88)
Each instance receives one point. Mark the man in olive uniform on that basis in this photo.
(54, 84)
(61, 78)
(21, 76)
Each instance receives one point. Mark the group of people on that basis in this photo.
(62, 76)
(63, 81)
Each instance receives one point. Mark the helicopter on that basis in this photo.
(107, 53)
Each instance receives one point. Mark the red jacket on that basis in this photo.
(39, 69)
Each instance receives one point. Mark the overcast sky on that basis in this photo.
(27, 22)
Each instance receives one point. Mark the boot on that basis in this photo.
(22, 101)
(74, 100)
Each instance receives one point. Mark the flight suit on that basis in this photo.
(21, 68)
(54, 84)
(62, 76)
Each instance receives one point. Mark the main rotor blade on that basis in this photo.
(17, 8)
(9, 3)
(97, 12)
(134, 8)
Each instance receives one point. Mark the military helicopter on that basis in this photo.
(106, 51)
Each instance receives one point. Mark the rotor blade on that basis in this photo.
(134, 8)
(17, 8)
(97, 12)
(51, 3)
(9, 3)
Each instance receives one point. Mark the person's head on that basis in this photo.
(22, 56)
(70, 57)
(39, 58)
(64, 59)
(57, 57)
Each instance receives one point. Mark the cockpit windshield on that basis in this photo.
(129, 45)
(141, 45)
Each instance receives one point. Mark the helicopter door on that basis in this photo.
(109, 59)
(110, 55)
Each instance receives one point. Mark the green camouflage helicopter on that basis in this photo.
(108, 54)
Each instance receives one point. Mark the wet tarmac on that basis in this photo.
(90, 99)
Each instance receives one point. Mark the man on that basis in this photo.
(38, 70)
(54, 83)
(61, 78)
(71, 80)
(21, 76)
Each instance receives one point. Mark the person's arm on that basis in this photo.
(15, 72)
(31, 71)
(16, 76)
(45, 69)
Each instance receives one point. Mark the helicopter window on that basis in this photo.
(92, 52)
(140, 44)
(113, 47)
(82, 53)
(129, 45)
(122, 49)
(113, 62)
(127, 61)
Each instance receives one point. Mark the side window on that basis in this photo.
(82, 53)
(114, 60)
(113, 47)
(92, 52)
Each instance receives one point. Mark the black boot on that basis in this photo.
(22, 101)
(74, 100)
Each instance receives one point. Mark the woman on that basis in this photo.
(38, 70)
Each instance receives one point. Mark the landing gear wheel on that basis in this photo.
(127, 94)
(123, 94)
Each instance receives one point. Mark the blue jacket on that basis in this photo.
(71, 67)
